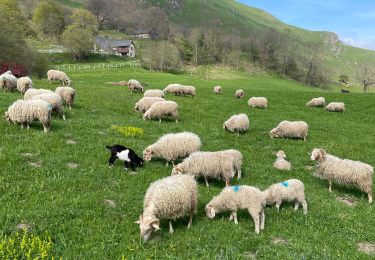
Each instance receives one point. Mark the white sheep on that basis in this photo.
(343, 171)
(145, 103)
(335, 107)
(239, 197)
(207, 165)
(217, 90)
(58, 75)
(26, 111)
(170, 198)
(55, 100)
(134, 85)
(239, 93)
(316, 102)
(257, 102)
(161, 110)
(180, 90)
(154, 93)
(8, 81)
(173, 146)
(291, 129)
(36, 91)
(23, 84)
(291, 190)
(67, 94)
(237, 123)
(281, 163)
(237, 159)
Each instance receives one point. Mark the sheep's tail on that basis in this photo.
(108, 147)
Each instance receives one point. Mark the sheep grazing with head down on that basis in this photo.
(58, 75)
(281, 163)
(170, 198)
(26, 111)
(36, 91)
(173, 146)
(258, 102)
(239, 197)
(180, 90)
(316, 102)
(217, 90)
(335, 107)
(239, 93)
(68, 94)
(207, 165)
(154, 93)
(291, 190)
(55, 100)
(145, 103)
(134, 85)
(237, 123)
(8, 81)
(290, 129)
(343, 171)
(161, 110)
(237, 159)
(23, 84)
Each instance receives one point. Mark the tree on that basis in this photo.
(78, 41)
(14, 16)
(48, 19)
(85, 20)
(100, 9)
(315, 72)
(366, 75)
(156, 22)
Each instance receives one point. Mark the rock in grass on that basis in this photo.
(71, 141)
(110, 203)
(37, 164)
(368, 248)
(72, 165)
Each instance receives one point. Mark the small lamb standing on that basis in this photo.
(344, 171)
(239, 93)
(8, 81)
(134, 85)
(217, 90)
(154, 93)
(23, 84)
(237, 123)
(281, 163)
(58, 75)
(291, 129)
(67, 94)
(170, 198)
(335, 107)
(258, 102)
(146, 102)
(173, 146)
(316, 102)
(290, 190)
(239, 197)
(161, 110)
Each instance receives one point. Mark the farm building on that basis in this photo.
(125, 48)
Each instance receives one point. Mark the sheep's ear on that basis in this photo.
(322, 154)
(212, 212)
(140, 220)
(155, 224)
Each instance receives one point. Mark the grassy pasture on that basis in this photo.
(68, 202)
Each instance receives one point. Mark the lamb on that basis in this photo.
(26, 111)
(134, 85)
(281, 163)
(237, 123)
(292, 129)
(58, 75)
(145, 103)
(239, 197)
(290, 190)
(173, 146)
(36, 91)
(161, 110)
(207, 164)
(316, 102)
(239, 93)
(68, 94)
(257, 102)
(170, 198)
(23, 84)
(55, 100)
(154, 93)
(335, 107)
(343, 171)
(180, 90)
(237, 159)
(217, 90)
(8, 81)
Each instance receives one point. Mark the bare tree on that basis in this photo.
(366, 75)
(100, 9)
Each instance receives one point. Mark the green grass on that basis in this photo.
(70, 3)
(67, 203)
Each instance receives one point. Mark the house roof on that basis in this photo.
(106, 43)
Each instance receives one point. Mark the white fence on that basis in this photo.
(96, 66)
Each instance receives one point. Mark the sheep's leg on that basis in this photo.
(159, 120)
(170, 228)
(27, 126)
(256, 218)
(278, 206)
(176, 120)
(22, 125)
(239, 174)
(369, 196)
(166, 165)
(296, 205)
(263, 219)
(233, 216)
(192, 210)
(330, 185)
(227, 183)
(126, 165)
(205, 179)
(304, 206)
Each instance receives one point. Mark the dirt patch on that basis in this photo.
(37, 164)
(347, 201)
(71, 141)
(27, 155)
(110, 203)
(309, 167)
(133, 173)
(72, 165)
(279, 241)
(250, 255)
(266, 147)
(23, 226)
(101, 133)
(367, 248)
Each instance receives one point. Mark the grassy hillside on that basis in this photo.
(68, 203)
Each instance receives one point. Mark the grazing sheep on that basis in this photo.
(180, 90)
(237, 159)
(237, 123)
(291, 129)
(23, 84)
(335, 107)
(26, 111)
(217, 90)
(145, 103)
(281, 163)
(316, 102)
(8, 81)
(207, 164)
(170, 198)
(258, 102)
(239, 197)
(344, 171)
(173, 146)
(154, 93)
(239, 93)
(58, 75)
(55, 100)
(134, 85)
(291, 190)
(68, 94)
(36, 91)
(161, 110)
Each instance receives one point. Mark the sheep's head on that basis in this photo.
(224, 126)
(136, 107)
(146, 116)
(281, 154)
(6, 116)
(274, 133)
(147, 154)
(318, 155)
(177, 170)
(210, 212)
(147, 225)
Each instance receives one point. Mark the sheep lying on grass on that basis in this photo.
(36, 91)
(23, 84)
(8, 81)
(294, 129)
(58, 75)
(343, 171)
(239, 197)
(173, 146)
(217, 90)
(237, 159)
(26, 111)
(237, 123)
(239, 93)
(290, 190)
(180, 90)
(281, 163)
(67, 94)
(145, 103)
(134, 85)
(55, 100)
(335, 107)
(170, 198)
(161, 110)
(316, 102)
(258, 102)
(207, 165)
(154, 93)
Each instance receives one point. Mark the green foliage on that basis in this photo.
(344, 78)
(40, 65)
(78, 41)
(48, 19)
(128, 131)
(85, 20)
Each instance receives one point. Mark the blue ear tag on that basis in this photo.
(285, 184)
(236, 188)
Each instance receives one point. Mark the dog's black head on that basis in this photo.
(139, 161)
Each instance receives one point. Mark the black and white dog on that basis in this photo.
(124, 154)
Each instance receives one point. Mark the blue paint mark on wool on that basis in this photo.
(285, 184)
(236, 188)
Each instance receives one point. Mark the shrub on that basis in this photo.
(129, 131)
